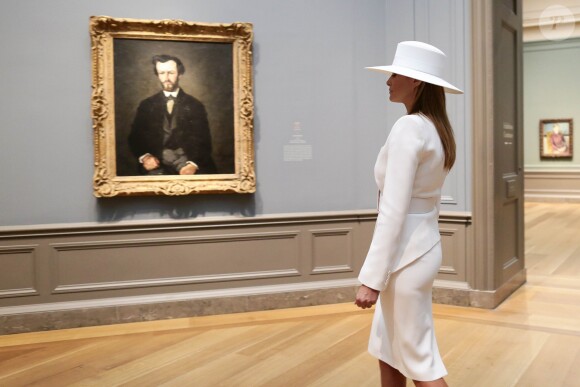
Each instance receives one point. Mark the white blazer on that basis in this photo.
(409, 173)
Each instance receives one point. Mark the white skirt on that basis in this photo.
(402, 333)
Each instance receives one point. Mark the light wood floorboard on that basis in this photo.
(531, 340)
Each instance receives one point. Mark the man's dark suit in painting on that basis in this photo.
(174, 139)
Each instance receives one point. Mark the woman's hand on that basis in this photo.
(366, 297)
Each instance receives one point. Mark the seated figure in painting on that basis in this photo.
(557, 141)
(170, 134)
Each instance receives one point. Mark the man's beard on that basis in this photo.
(169, 86)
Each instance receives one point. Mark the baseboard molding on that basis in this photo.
(558, 197)
(460, 294)
(178, 297)
(491, 299)
(76, 314)
(552, 186)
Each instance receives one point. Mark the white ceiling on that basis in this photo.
(558, 24)
(532, 9)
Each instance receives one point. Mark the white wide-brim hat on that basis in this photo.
(421, 61)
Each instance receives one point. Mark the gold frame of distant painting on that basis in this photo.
(106, 110)
(551, 149)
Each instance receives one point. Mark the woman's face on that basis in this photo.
(402, 89)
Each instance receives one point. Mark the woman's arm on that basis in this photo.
(404, 148)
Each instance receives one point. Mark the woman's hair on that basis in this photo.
(430, 102)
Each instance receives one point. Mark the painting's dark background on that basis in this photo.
(208, 77)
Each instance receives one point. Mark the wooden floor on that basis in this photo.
(532, 339)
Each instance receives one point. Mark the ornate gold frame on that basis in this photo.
(106, 183)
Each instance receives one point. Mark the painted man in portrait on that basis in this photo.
(170, 134)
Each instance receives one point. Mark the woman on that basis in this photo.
(558, 141)
(405, 253)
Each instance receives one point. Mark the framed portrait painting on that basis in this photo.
(172, 107)
(556, 137)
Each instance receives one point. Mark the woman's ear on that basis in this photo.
(416, 83)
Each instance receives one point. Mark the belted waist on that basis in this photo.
(422, 205)
(417, 205)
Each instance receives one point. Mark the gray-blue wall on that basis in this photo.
(551, 85)
(308, 67)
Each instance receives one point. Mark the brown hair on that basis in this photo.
(430, 102)
(166, 58)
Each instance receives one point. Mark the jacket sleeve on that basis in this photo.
(404, 147)
(135, 139)
(146, 135)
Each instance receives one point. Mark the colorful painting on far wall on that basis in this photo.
(556, 138)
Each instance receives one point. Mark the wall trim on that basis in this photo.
(173, 241)
(326, 252)
(552, 196)
(455, 217)
(68, 229)
(570, 173)
(461, 294)
(74, 314)
(482, 54)
(174, 281)
(552, 185)
(173, 225)
(206, 294)
(18, 292)
(491, 299)
(549, 45)
(66, 315)
(172, 297)
(23, 290)
(347, 266)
